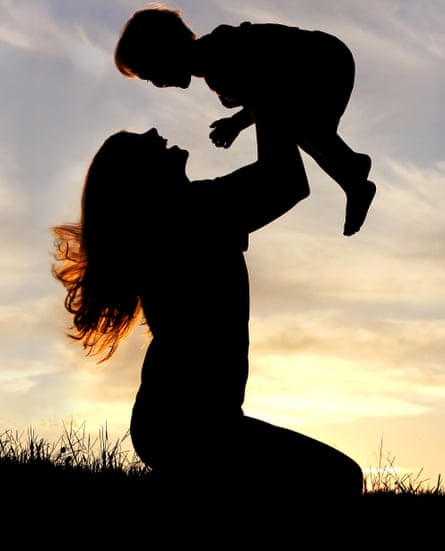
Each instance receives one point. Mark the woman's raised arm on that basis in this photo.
(280, 182)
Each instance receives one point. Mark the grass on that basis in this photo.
(74, 450)
(83, 481)
(387, 479)
(77, 451)
(78, 491)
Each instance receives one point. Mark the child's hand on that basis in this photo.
(225, 133)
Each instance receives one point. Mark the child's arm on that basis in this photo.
(226, 130)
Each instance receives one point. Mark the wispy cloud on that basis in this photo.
(30, 26)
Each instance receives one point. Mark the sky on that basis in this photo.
(347, 334)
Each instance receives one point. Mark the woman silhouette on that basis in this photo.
(151, 242)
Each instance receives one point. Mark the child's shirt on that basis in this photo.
(269, 63)
(244, 61)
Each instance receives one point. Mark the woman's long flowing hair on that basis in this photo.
(95, 258)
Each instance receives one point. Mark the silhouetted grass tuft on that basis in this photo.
(386, 478)
(74, 450)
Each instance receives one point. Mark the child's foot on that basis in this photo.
(358, 201)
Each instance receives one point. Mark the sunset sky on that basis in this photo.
(347, 334)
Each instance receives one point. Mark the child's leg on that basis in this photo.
(349, 169)
(337, 159)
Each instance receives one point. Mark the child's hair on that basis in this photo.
(156, 28)
(94, 258)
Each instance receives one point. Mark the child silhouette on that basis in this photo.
(309, 75)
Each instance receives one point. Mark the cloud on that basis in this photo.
(31, 26)
(12, 198)
(321, 366)
(89, 57)
(37, 29)
(415, 200)
(415, 344)
(312, 387)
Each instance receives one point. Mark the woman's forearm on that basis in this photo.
(282, 179)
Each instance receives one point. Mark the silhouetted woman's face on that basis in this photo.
(168, 162)
(130, 171)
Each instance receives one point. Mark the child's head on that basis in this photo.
(154, 45)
